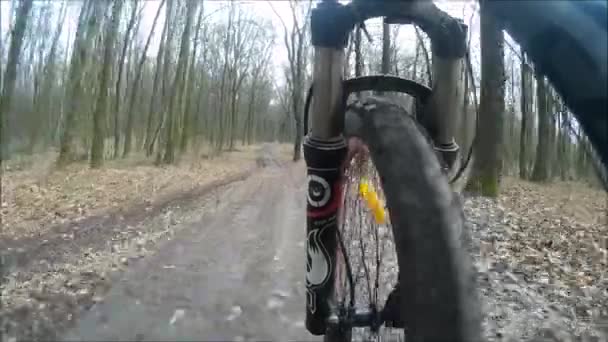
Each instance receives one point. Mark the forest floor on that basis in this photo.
(542, 257)
(177, 252)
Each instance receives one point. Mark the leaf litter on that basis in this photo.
(41, 300)
(37, 198)
(541, 251)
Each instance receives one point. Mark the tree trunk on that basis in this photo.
(386, 47)
(10, 73)
(134, 92)
(44, 104)
(190, 121)
(492, 106)
(523, 135)
(562, 157)
(414, 76)
(540, 172)
(157, 102)
(178, 86)
(511, 142)
(121, 63)
(88, 26)
(101, 108)
(247, 131)
(427, 58)
(358, 56)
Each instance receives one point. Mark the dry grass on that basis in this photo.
(36, 196)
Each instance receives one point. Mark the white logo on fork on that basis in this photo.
(318, 191)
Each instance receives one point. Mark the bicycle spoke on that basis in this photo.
(367, 245)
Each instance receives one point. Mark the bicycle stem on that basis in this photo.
(324, 144)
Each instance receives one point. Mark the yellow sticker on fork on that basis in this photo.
(373, 202)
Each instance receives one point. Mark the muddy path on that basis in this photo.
(64, 239)
(236, 274)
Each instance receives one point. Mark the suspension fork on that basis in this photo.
(324, 152)
(325, 146)
(443, 112)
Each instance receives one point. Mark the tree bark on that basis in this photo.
(178, 86)
(101, 108)
(486, 174)
(121, 63)
(543, 149)
(136, 82)
(189, 115)
(358, 56)
(157, 102)
(88, 26)
(427, 58)
(10, 73)
(523, 135)
(386, 49)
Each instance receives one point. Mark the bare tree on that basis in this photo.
(540, 173)
(239, 67)
(88, 26)
(257, 79)
(386, 48)
(136, 86)
(121, 63)
(178, 86)
(358, 55)
(163, 79)
(10, 73)
(426, 54)
(101, 107)
(189, 113)
(295, 40)
(48, 79)
(525, 113)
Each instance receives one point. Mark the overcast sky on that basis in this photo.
(406, 38)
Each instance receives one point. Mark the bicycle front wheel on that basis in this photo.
(436, 282)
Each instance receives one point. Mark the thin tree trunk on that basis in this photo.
(540, 172)
(386, 47)
(121, 63)
(45, 104)
(414, 76)
(189, 116)
(135, 90)
(86, 32)
(224, 80)
(178, 86)
(162, 64)
(523, 141)
(511, 122)
(10, 73)
(250, 113)
(358, 56)
(427, 57)
(101, 108)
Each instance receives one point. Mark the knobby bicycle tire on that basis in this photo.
(437, 285)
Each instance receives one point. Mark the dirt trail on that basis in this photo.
(233, 275)
(229, 265)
